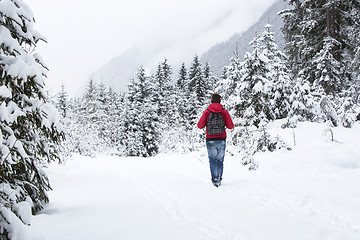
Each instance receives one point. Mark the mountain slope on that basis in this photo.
(118, 72)
(218, 55)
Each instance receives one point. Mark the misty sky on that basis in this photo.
(83, 35)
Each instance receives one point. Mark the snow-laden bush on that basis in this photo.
(246, 141)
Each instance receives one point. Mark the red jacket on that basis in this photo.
(216, 107)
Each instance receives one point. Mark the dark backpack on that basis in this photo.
(215, 123)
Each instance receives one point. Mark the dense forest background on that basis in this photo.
(316, 78)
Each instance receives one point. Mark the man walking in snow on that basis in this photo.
(216, 119)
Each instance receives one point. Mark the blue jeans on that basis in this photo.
(216, 153)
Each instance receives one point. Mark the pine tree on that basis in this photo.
(318, 30)
(354, 90)
(355, 67)
(168, 91)
(278, 74)
(90, 105)
(182, 78)
(254, 91)
(30, 128)
(329, 74)
(181, 93)
(209, 79)
(129, 129)
(164, 91)
(102, 113)
(62, 103)
(91, 130)
(255, 88)
(141, 126)
(194, 73)
(113, 119)
(197, 90)
(302, 103)
(322, 42)
(101, 95)
(295, 40)
(231, 79)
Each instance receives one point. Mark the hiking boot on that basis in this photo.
(216, 182)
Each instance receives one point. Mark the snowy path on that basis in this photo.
(171, 197)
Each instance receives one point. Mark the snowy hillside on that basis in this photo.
(308, 193)
(118, 72)
(218, 56)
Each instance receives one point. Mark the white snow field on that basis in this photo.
(309, 193)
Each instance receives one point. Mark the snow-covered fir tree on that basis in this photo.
(148, 119)
(159, 79)
(329, 75)
(182, 78)
(169, 92)
(164, 93)
(196, 91)
(257, 91)
(209, 79)
(141, 119)
(178, 133)
(278, 74)
(232, 77)
(62, 102)
(87, 132)
(197, 83)
(102, 113)
(128, 128)
(30, 127)
(322, 41)
(70, 125)
(254, 92)
(302, 103)
(319, 30)
(112, 118)
(181, 92)
(355, 67)
(90, 105)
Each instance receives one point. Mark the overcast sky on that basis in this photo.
(83, 35)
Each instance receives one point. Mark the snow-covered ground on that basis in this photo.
(309, 193)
